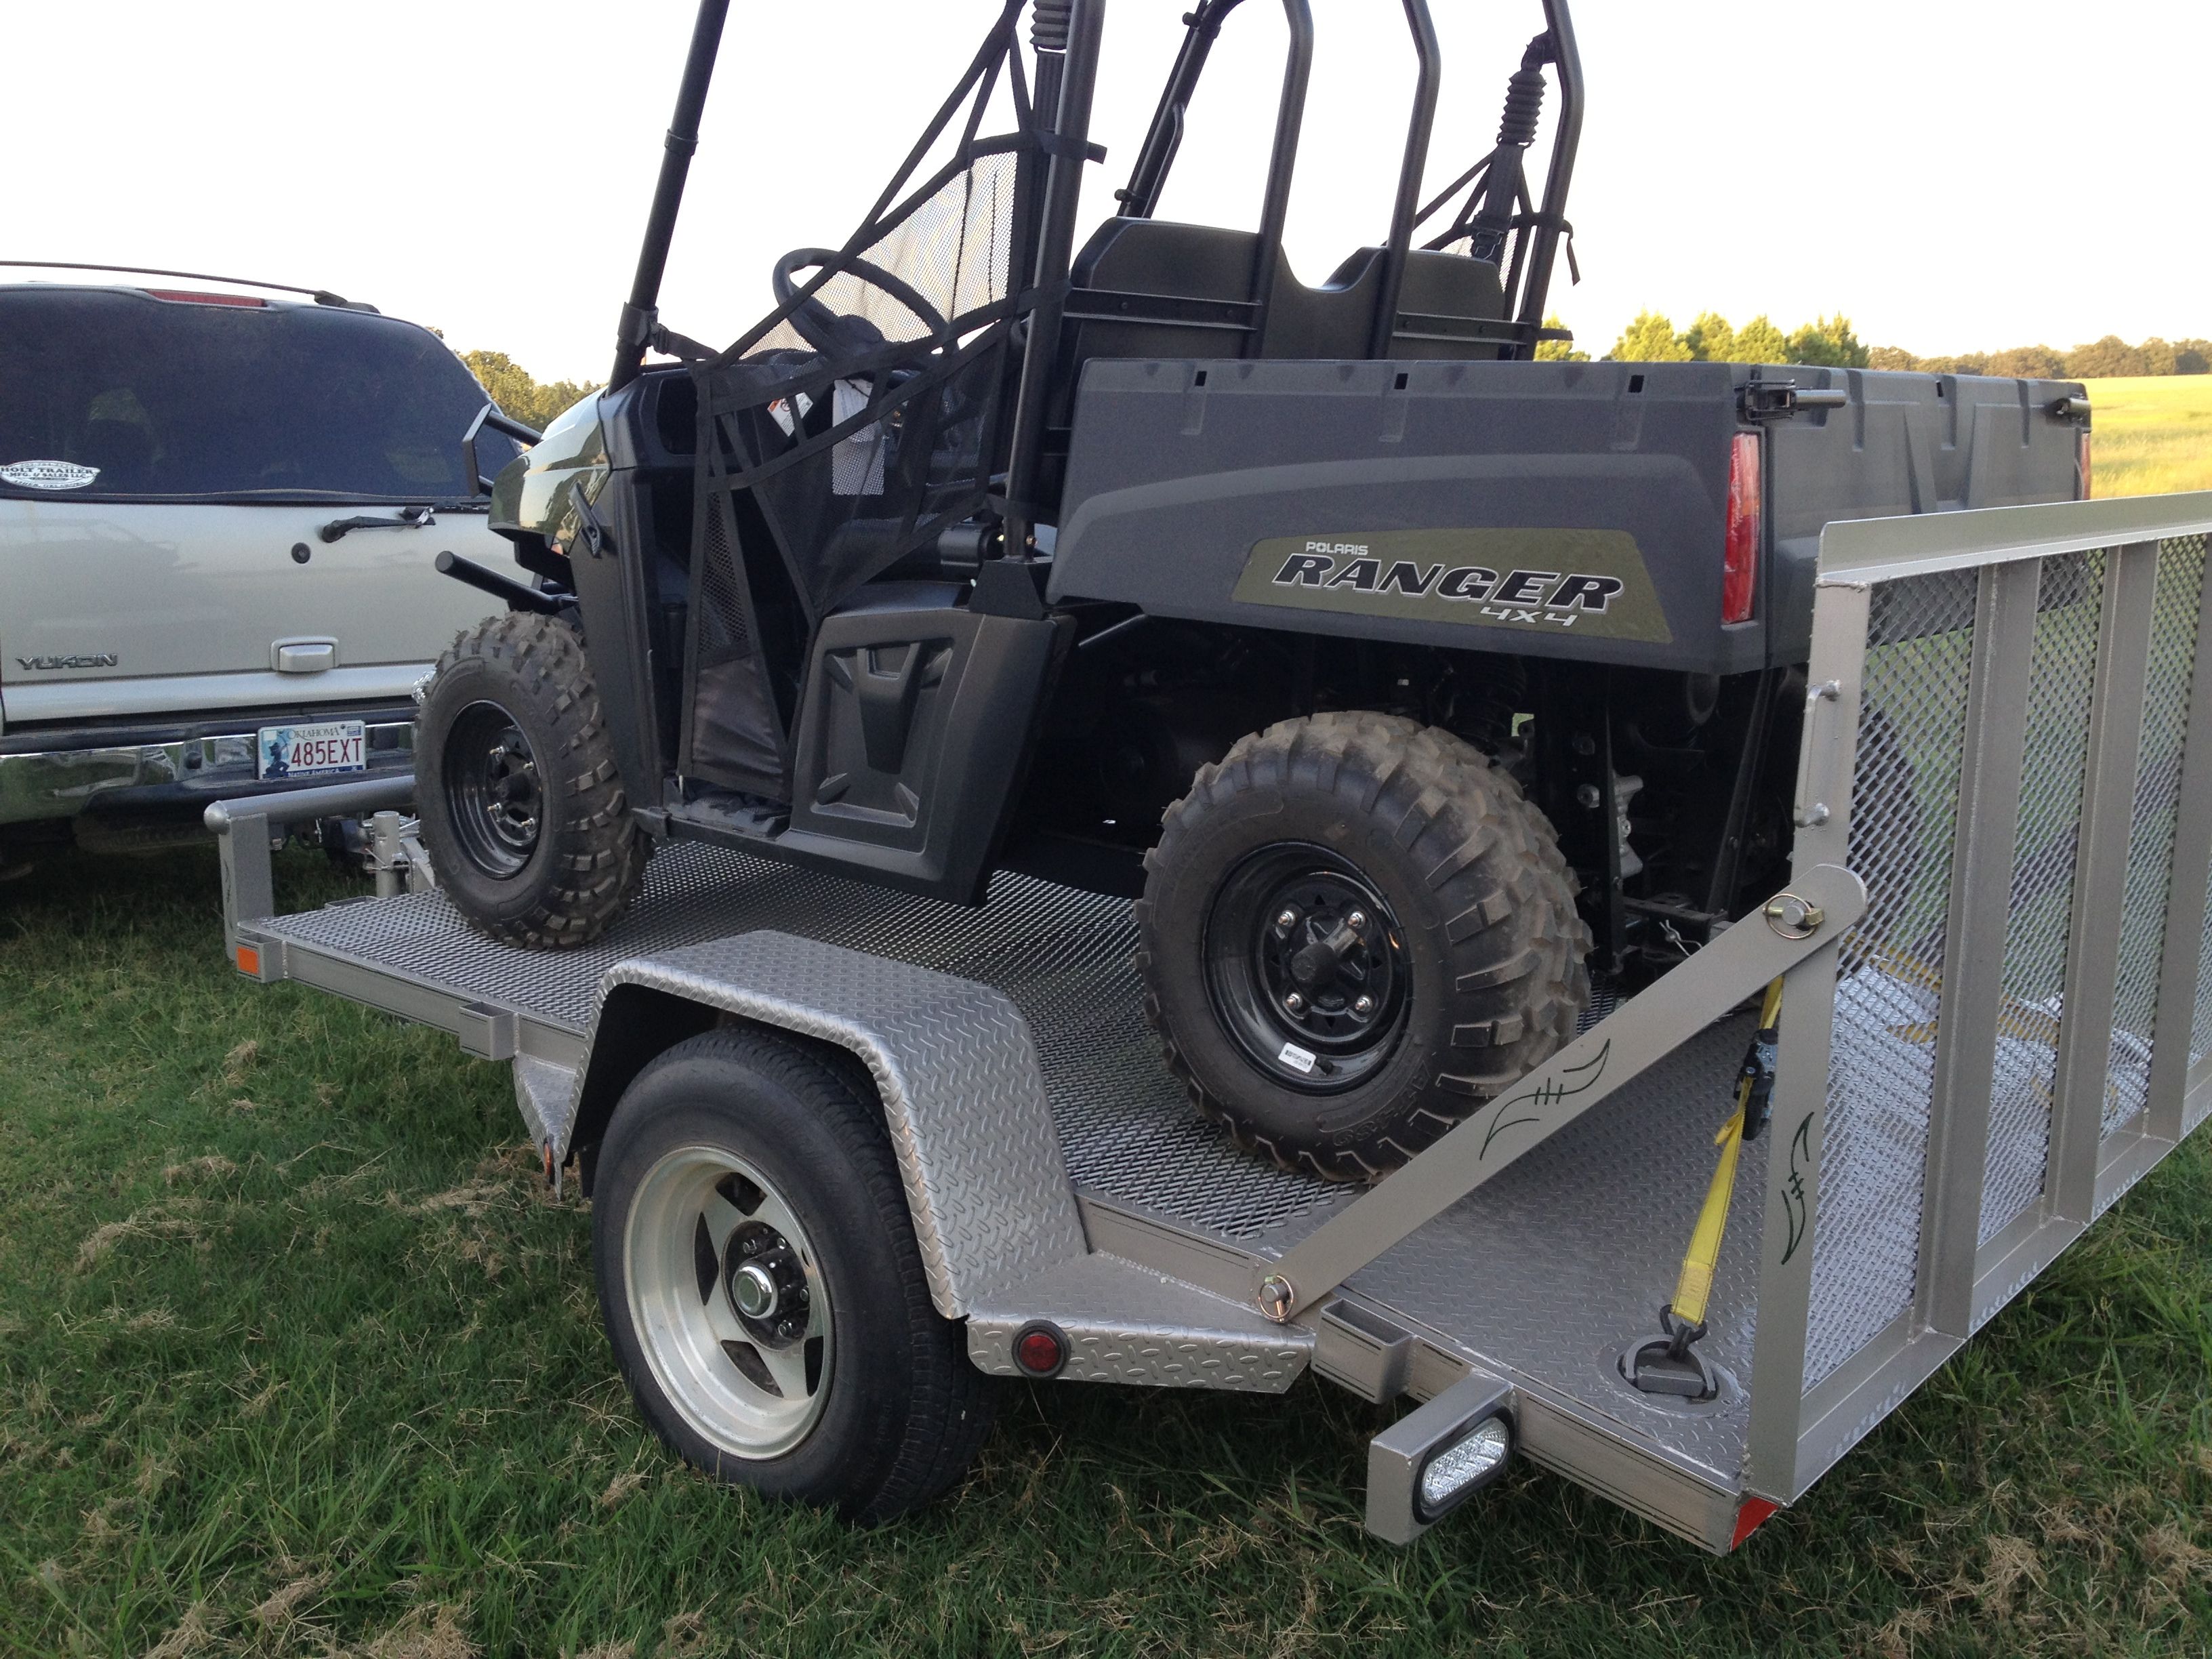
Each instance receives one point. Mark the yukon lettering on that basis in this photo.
(95, 660)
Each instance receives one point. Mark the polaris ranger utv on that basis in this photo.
(1403, 679)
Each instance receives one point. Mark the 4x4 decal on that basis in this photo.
(1586, 581)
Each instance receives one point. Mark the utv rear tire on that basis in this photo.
(743, 1150)
(1442, 905)
(522, 810)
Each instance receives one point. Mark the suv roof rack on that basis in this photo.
(321, 296)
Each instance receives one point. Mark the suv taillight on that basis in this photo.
(2082, 462)
(1740, 567)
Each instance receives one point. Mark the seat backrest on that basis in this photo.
(1154, 256)
(1136, 258)
(1335, 320)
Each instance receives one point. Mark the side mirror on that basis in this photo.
(490, 418)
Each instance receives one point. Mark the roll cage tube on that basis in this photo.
(635, 330)
(1551, 223)
(1140, 198)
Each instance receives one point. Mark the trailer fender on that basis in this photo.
(953, 1063)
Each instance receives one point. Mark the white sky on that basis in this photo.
(1956, 174)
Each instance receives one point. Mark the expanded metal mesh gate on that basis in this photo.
(2009, 738)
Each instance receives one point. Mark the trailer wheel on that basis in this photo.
(521, 806)
(1354, 931)
(761, 1287)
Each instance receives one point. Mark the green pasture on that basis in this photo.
(297, 1357)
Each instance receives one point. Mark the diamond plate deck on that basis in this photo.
(1542, 1277)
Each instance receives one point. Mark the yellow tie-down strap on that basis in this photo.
(1695, 1287)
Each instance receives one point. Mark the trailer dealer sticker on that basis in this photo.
(1548, 581)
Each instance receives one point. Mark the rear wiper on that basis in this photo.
(410, 518)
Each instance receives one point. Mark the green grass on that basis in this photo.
(2154, 434)
(297, 1357)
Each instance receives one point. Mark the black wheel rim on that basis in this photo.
(1306, 967)
(492, 792)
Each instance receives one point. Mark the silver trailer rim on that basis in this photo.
(727, 1298)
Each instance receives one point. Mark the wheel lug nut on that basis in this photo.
(1295, 1003)
(1287, 919)
(1357, 921)
(1363, 1006)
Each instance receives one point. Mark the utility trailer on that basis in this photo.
(1996, 1017)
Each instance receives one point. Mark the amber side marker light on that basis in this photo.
(249, 961)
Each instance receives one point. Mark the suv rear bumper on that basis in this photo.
(63, 783)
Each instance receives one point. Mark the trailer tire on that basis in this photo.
(1469, 960)
(521, 805)
(889, 1412)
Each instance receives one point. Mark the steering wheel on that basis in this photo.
(826, 330)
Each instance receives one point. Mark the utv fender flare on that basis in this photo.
(952, 1061)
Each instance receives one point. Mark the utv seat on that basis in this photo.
(1128, 262)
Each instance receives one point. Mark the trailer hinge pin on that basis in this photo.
(1277, 1297)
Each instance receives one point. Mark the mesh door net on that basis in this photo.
(860, 418)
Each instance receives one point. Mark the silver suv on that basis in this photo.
(219, 516)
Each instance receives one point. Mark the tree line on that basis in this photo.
(1830, 343)
(521, 397)
(1824, 342)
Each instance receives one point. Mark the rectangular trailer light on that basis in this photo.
(1459, 1470)
(1740, 567)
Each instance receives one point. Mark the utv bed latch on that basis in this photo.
(1777, 400)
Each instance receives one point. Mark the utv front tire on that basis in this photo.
(1355, 930)
(522, 809)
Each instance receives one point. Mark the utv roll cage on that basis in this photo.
(1494, 209)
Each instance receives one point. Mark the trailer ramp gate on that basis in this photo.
(2008, 740)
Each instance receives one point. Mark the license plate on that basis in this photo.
(313, 751)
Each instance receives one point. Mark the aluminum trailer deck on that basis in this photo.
(1948, 1119)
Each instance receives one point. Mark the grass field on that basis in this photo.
(2153, 436)
(296, 1356)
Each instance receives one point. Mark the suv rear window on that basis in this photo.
(170, 399)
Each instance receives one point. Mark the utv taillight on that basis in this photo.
(1740, 568)
(2082, 462)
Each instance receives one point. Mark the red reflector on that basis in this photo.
(1040, 1350)
(1740, 567)
(249, 961)
(1747, 1518)
(2081, 461)
(181, 296)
